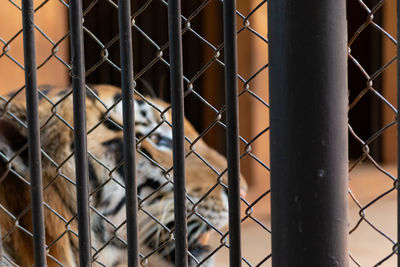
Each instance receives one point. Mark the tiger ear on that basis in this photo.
(13, 139)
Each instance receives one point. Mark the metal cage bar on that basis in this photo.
(124, 16)
(178, 135)
(309, 155)
(232, 131)
(35, 162)
(80, 138)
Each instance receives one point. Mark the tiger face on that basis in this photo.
(207, 205)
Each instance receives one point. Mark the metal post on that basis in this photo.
(309, 154)
(81, 159)
(124, 15)
(35, 163)
(232, 131)
(178, 135)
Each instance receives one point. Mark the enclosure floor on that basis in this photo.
(367, 246)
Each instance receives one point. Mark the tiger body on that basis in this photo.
(207, 197)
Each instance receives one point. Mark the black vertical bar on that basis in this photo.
(178, 135)
(79, 102)
(398, 133)
(309, 145)
(232, 131)
(35, 163)
(124, 15)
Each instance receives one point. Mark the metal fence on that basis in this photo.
(181, 232)
(374, 85)
(56, 211)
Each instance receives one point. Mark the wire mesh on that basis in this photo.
(208, 69)
(372, 176)
(205, 72)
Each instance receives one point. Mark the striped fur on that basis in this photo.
(107, 180)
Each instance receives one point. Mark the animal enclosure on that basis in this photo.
(185, 133)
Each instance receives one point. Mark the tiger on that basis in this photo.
(206, 181)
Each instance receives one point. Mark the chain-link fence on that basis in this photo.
(372, 169)
(84, 189)
(63, 239)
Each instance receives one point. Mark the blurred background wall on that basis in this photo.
(51, 49)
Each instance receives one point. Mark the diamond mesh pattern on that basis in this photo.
(207, 71)
(203, 82)
(368, 87)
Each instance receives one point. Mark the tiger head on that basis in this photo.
(207, 202)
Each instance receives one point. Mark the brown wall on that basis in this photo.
(52, 20)
(254, 116)
(389, 83)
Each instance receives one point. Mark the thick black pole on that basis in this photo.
(81, 159)
(35, 163)
(232, 131)
(178, 135)
(125, 33)
(309, 154)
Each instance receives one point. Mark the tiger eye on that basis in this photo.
(161, 140)
(165, 141)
